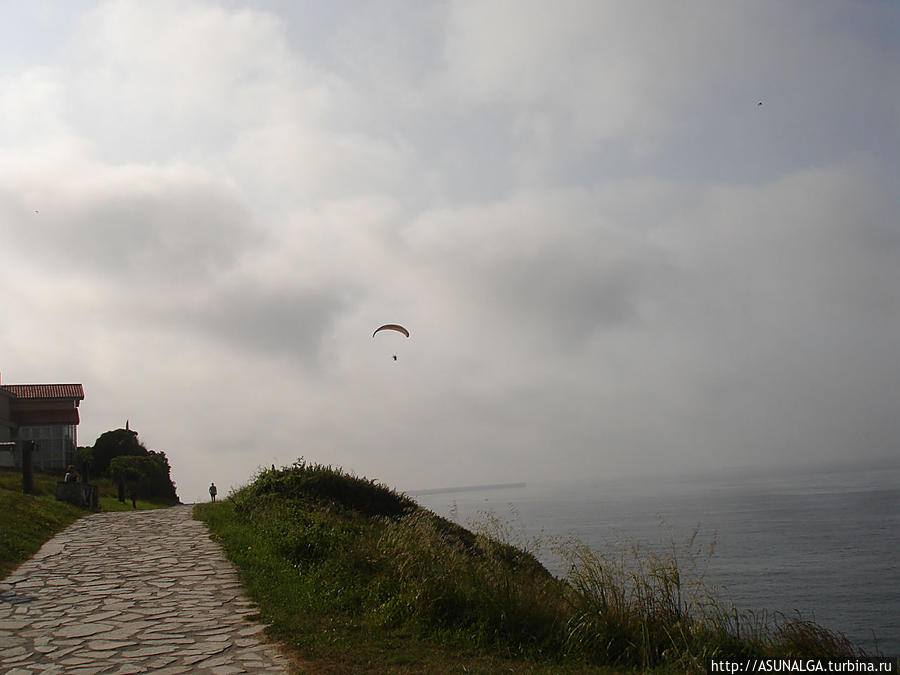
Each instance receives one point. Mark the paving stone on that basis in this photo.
(45, 649)
(209, 648)
(102, 645)
(129, 669)
(216, 662)
(75, 661)
(7, 641)
(13, 624)
(149, 651)
(226, 669)
(84, 629)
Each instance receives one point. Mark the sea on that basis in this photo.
(818, 544)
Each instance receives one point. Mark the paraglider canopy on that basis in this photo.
(392, 326)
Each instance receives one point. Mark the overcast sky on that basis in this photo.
(626, 237)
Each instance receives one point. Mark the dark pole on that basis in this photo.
(27, 468)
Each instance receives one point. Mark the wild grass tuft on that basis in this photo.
(642, 608)
(647, 609)
(478, 590)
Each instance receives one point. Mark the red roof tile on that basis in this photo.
(75, 391)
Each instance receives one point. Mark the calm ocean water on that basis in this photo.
(824, 544)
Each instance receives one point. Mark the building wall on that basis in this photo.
(55, 445)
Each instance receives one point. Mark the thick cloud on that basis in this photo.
(610, 256)
(559, 260)
(274, 322)
(165, 226)
(611, 86)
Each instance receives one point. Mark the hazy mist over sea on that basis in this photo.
(821, 543)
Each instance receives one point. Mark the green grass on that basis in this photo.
(27, 521)
(354, 577)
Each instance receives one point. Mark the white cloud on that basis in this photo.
(141, 224)
(583, 79)
(559, 259)
(607, 253)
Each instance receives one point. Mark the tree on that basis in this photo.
(163, 487)
(85, 456)
(121, 455)
(117, 443)
(145, 477)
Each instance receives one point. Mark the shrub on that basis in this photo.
(146, 477)
(111, 444)
(330, 486)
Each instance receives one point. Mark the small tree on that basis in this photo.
(85, 456)
(145, 477)
(121, 455)
(117, 443)
(163, 485)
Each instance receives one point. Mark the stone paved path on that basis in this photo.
(135, 592)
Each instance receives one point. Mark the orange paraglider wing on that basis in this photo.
(392, 326)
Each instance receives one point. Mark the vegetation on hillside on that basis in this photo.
(138, 471)
(146, 477)
(114, 443)
(361, 578)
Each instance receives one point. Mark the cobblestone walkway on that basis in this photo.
(135, 592)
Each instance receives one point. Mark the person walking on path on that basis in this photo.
(213, 491)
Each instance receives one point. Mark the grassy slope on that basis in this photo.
(348, 590)
(27, 521)
(356, 578)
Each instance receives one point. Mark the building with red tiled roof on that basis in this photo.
(44, 413)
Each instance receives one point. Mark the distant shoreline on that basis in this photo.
(466, 488)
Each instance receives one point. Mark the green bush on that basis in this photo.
(112, 444)
(331, 487)
(146, 477)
